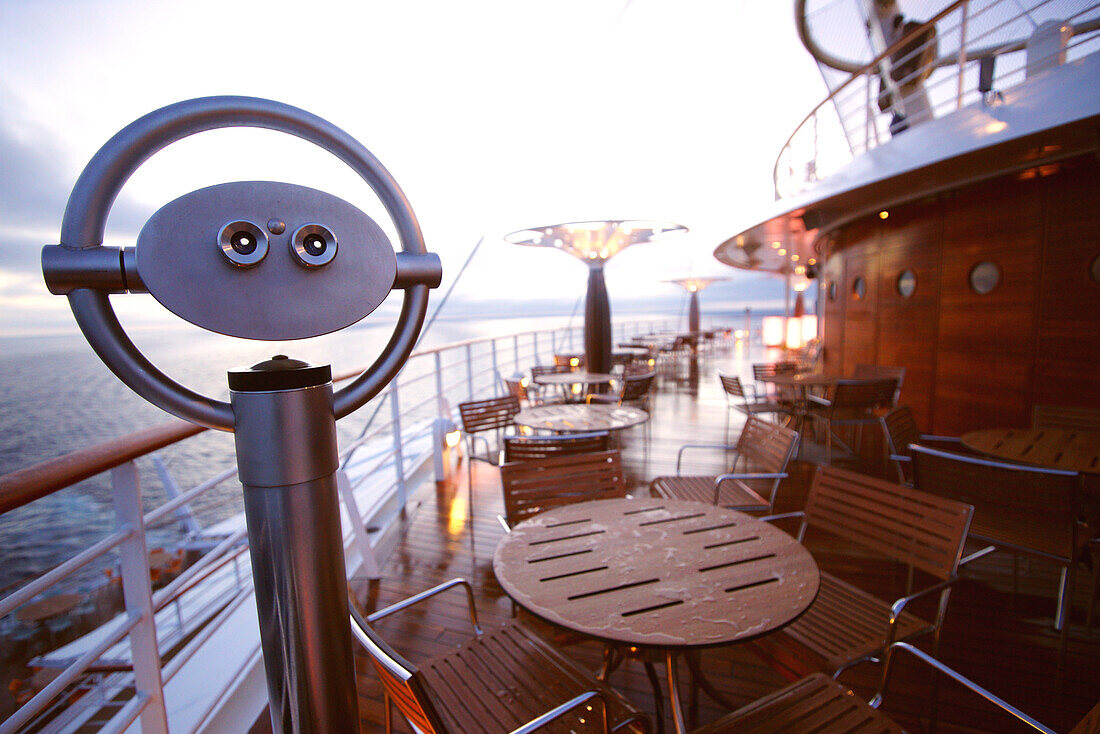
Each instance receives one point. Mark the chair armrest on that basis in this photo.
(471, 437)
(897, 607)
(782, 516)
(685, 447)
(504, 523)
(600, 398)
(564, 708)
(955, 676)
(978, 554)
(417, 598)
(944, 439)
(751, 475)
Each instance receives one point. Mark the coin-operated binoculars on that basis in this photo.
(269, 261)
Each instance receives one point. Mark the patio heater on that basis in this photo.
(595, 243)
(694, 286)
(274, 262)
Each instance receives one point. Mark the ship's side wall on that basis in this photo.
(972, 360)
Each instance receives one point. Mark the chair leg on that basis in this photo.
(1065, 606)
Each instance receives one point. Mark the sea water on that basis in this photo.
(57, 398)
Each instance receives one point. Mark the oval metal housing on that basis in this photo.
(182, 264)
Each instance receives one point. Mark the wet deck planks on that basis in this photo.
(1004, 641)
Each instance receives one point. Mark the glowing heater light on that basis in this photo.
(772, 331)
(452, 438)
(798, 331)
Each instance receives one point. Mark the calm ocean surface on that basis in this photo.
(57, 397)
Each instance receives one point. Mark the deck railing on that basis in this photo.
(967, 59)
(397, 442)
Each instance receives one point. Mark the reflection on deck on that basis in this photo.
(1004, 641)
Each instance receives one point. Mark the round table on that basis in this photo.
(579, 417)
(1077, 451)
(667, 575)
(579, 377)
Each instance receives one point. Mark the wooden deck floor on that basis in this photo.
(1005, 641)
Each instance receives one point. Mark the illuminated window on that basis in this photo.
(859, 288)
(984, 277)
(907, 283)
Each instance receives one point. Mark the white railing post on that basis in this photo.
(535, 342)
(470, 372)
(398, 456)
(359, 533)
(137, 591)
(962, 53)
(496, 367)
(440, 403)
(515, 350)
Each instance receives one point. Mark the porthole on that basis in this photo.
(832, 290)
(859, 288)
(984, 277)
(1094, 269)
(907, 283)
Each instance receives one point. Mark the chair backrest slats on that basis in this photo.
(862, 396)
(1027, 508)
(879, 372)
(485, 415)
(766, 446)
(528, 448)
(531, 487)
(901, 429)
(913, 527)
(636, 387)
(732, 385)
(400, 679)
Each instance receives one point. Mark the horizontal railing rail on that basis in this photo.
(858, 114)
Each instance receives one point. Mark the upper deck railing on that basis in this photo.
(392, 447)
(951, 61)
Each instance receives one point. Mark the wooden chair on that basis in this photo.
(481, 416)
(540, 391)
(1065, 417)
(528, 448)
(504, 679)
(850, 403)
(901, 430)
(881, 372)
(765, 449)
(1026, 510)
(537, 485)
(846, 625)
(821, 705)
(634, 389)
(738, 397)
(573, 361)
(525, 391)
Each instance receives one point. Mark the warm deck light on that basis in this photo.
(883, 214)
(595, 243)
(694, 286)
(453, 437)
(574, 362)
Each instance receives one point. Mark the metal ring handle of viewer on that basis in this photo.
(99, 184)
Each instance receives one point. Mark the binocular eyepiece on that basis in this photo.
(245, 244)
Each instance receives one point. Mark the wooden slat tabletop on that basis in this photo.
(573, 378)
(572, 418)
(1055, 449)
(656, 572)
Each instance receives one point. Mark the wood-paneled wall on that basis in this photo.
(972, 360)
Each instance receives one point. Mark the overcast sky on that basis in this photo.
(492, 116)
